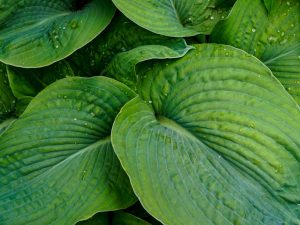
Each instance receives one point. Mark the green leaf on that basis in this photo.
(138, 211)
(114, 218)
(175, 18)
(273, 37)
(122, 218)
(212, 138)
(122, 66)
(39, 33)
(7, 99)
(27, 83)
(57, 162)
(121, 35)
(98, 219)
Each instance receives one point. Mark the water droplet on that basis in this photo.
(56, 46)
(85, 124)
(227, 54)
(288, 3)
(75, 119)
(64, 28)
(298, 56)
(92, 114)
(56, 36)
(222, 17)
(212, 17)
(65, 96)
(150, 102)
(253, 30)
(272, 39)
(74, 24)
(283, 42)
(219, 156)
(292, 25)
(282, 34)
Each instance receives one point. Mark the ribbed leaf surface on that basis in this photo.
(273, 36)
(57, 165)
(212, 140)
(175, 18)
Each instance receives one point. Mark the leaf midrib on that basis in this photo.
(269, 61)
(34, 25)
(171, 124)
(93, 146)
(90, 147)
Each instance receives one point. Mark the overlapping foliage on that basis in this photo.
(118, 112)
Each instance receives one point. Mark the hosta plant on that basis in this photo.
(118, 112)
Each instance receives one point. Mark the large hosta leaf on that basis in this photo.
(38, 33)
(7, 99)
(273, 36)
(175, 18)
(57, 164)
(212, 140)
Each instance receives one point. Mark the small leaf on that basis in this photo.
(175, 18)
(121, 35)
(218, 143)
(27, 83)
(122, 66)
(122, 218)
(273, 37)
(98, 219)
(39, 33)
(57, 162)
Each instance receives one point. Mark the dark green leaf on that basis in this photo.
(27, 83)
(121, 36)
(7, 99)
(122, 218)
(38, 33)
